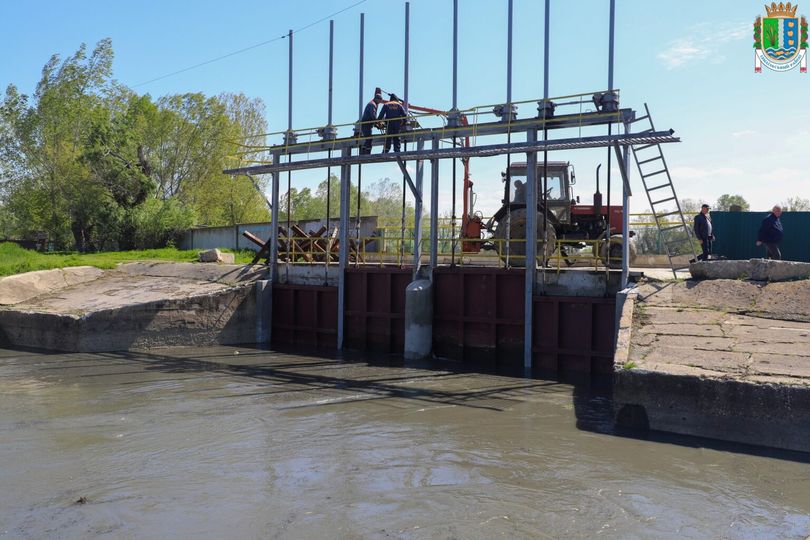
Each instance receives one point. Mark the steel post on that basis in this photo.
(455, 54)
(626, 213)
(290, 83)
(509, 60)
(331, 56)
(545, 50)
(417, 228)
(274, 222)
(343, 238)
(611, 36)
(362, 46)
(531, 251)
(434, 210)
(407, 50)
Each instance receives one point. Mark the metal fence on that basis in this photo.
(736, 235)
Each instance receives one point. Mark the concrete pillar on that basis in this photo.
(419, 320)
(264, 310)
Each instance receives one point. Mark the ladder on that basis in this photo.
(677, 237)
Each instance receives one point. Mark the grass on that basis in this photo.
(16, 260)
(629, 365)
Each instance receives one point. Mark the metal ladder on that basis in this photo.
(657, 183)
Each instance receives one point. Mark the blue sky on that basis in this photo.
(691, 61)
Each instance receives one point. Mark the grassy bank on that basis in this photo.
(16, 260)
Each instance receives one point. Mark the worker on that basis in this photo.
(704, 232)
(367, 121)
(394, 114)
(771, 233)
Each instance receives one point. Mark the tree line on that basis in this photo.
(92, 165)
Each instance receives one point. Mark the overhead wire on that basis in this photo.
(248, 48)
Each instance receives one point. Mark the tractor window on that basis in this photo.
(554, 188)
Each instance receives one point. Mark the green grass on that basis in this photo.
(16, 260)
(629, 365)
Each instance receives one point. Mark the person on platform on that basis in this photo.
(704, 232)
(771, 233)
(367, 121)
(394, 115)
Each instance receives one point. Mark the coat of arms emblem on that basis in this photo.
(780, 39)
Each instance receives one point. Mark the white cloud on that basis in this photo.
(702, 43)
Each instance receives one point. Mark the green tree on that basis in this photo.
(725, 202)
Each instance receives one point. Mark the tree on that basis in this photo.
(725, 202)
(796, 204)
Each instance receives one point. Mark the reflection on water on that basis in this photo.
(207, 442)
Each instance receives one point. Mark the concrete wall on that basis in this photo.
(231, 237)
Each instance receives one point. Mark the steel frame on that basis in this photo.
(431, 139)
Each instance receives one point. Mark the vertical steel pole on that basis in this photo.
(626, 214)
(360, 88)
(509, 60)
(290, 83)
(331, 56)
(343, 236)
(274, 221)
(407, 49)
(545, 50)
(531, 251)
(455, 53)
(417, 229)
(611, 35)
(434, 210)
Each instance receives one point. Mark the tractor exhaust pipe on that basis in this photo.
(597, 197)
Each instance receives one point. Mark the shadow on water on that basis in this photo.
(313, 370)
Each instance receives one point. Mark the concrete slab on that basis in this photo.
(22, 287)
(723, 359)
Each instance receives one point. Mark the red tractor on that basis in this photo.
(565, 219)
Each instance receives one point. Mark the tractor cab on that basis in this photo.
(559, 192)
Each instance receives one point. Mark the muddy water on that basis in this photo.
(209, 443)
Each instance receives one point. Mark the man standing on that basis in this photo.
(395, 114)
(703, 232)
(367, 121)
(771, 233)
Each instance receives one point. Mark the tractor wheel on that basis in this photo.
(615, 257)
(517, 231)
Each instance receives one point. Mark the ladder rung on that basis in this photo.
(659, 187)
(672, 228)
(649, 160)
(658, 216)
(663, 200)
(641, 118)
(644, 147)
(653, 174)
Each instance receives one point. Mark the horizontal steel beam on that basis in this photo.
(472, 130)
(657, 137)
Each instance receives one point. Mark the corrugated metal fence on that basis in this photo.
(736, 234)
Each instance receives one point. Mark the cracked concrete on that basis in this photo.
(726, 359)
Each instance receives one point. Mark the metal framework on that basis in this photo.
(428, 147)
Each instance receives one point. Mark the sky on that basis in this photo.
(691, 61)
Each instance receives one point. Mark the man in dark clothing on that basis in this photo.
(704, 232)
(368, 119)
(395, 113)
(771, 233)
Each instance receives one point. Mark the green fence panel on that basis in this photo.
(736, 235)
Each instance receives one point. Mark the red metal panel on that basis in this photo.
(304, 315)
(574, 335)
(375, 308)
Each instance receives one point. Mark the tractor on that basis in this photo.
(565, 219)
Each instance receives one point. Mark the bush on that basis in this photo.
(158, 223)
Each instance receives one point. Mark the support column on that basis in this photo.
(626, 213)
(274, 222)
(343, 235)
(531, 251)
(434, 210)
(417, 226)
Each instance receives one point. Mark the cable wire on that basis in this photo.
(248, 48)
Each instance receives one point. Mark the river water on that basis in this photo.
(243, 443)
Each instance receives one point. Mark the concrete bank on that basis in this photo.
(724, 359)
(137, 305)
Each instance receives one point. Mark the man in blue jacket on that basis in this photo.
(704, 232)
(367, 121)
(395, 114)
(771, 233)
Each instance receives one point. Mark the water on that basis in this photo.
(209, 443)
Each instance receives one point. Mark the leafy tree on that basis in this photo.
(725, 202)
(796, 204)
